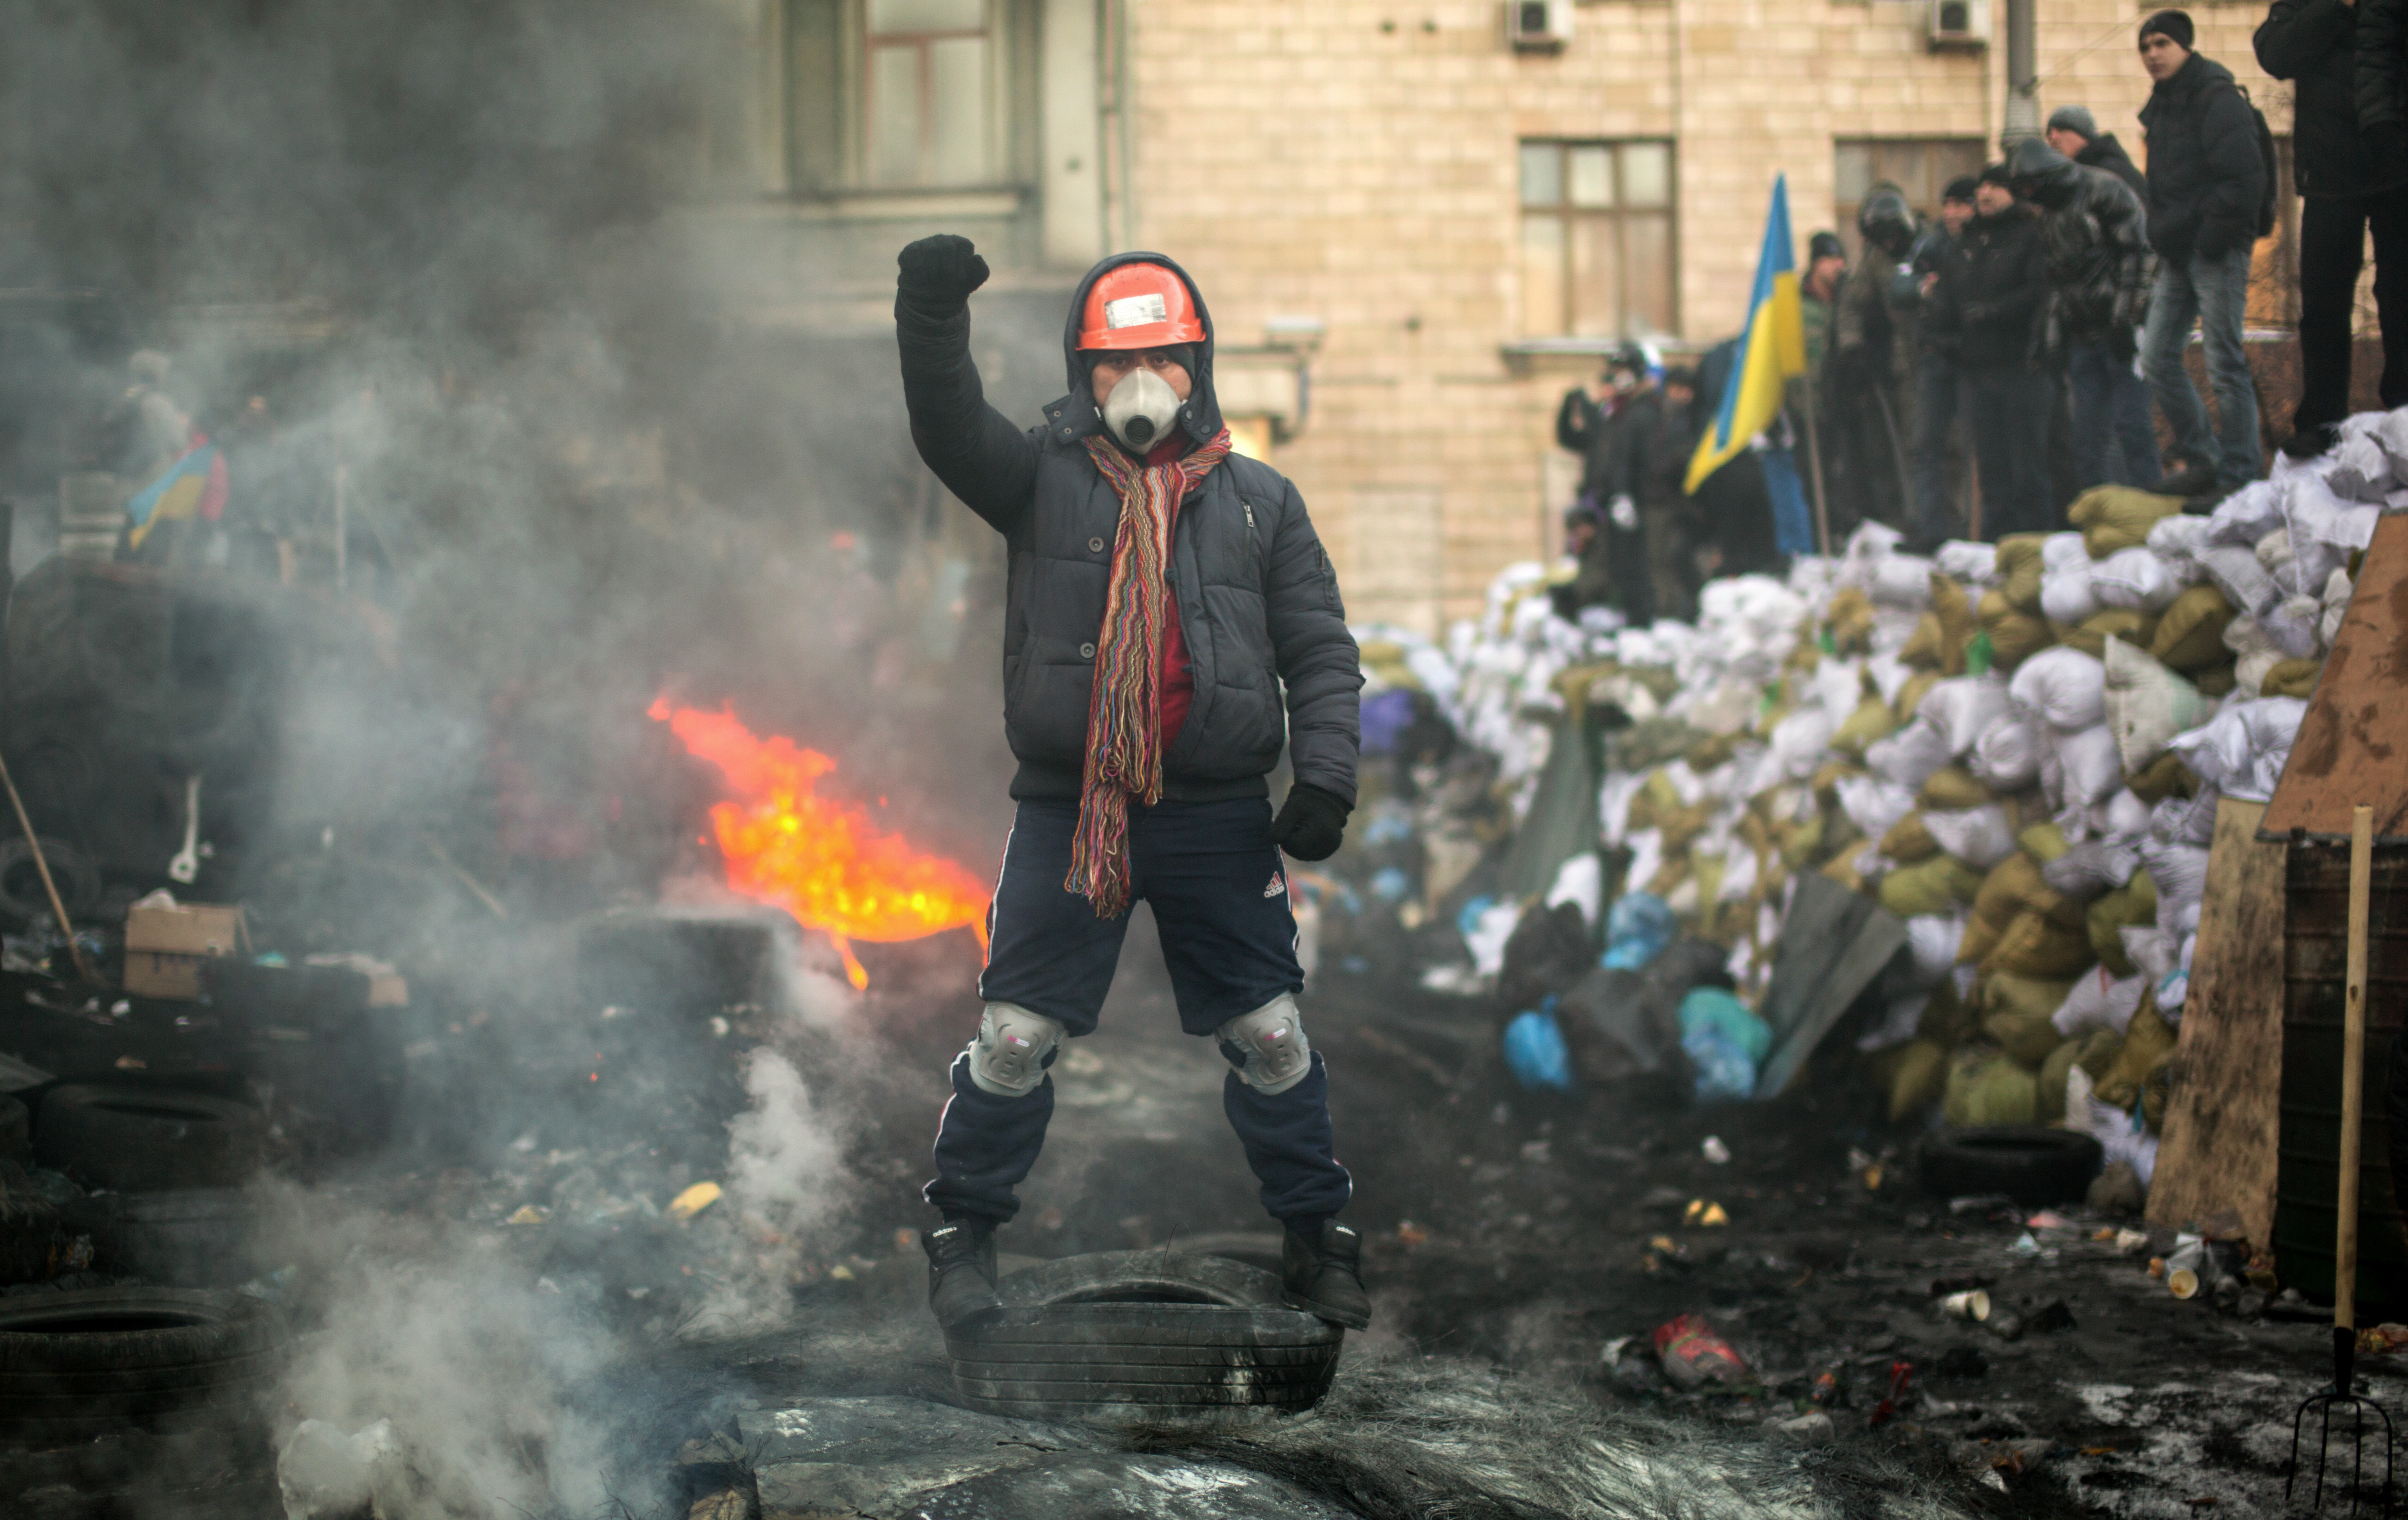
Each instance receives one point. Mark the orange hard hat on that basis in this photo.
(1139, 306)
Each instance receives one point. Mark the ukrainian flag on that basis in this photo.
(1771, 349)
(195, 486)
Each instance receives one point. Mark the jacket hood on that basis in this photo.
(2198, 73)
(2043, 173)
(1075, 416)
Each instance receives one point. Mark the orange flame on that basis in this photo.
(819, 859)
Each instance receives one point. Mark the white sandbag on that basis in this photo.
(2134, 579)
(2179, 820)
(2274, 550)
(2098, 1000)
(2150, 949)
(2091, 869)
(2241, 751)
(2245, 516)
(1489, 932)
(2338, 590)
(1580, 880)
(2294, 624)
(2250, 671)
(2062, 687)
(2243, 581)
(2006, 758)
(1931, 940)
(2359, 469)
(1799, 742)
(2245, 635)
(1900, 581)
(1968, 563)
(2126, 817)
(2179, 540)
(2062, 550)
(2094, 770)
(1646, 859)
(2146, 703)
(1889, 675)
(1979, 836)
(1962, 707)
(1873, 542)
(1909, 756)
(2391, 431)
(2180, 872)
(2052, 769)
(2066, 595)
(1874, 804)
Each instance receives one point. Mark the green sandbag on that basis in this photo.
(2131, 905)
(1985, 1087)
(1931, 887)
(1915, 1074)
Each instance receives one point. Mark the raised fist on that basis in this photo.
(939, 271)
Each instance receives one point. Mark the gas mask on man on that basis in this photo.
(1142, 409)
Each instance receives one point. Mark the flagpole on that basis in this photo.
(1814, 471)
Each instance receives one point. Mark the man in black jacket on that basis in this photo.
(2343, 192)
(1935, 458)
(1609, 432)
(2095, 244)
(1161, 591)
(2074, 131)
(1986, 306)
(2206, 180)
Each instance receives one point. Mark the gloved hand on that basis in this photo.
(1310, 823)
(939, 272)
(1625, 513)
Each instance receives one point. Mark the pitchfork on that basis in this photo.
(2344, 1335)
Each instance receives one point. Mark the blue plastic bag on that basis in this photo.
(1637, 928)
(1724, 1041)
(1535, 1052)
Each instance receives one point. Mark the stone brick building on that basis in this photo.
(1436, 229)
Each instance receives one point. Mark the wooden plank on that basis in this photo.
(2224, 1091)
(2355, 729)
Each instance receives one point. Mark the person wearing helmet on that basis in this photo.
(2094, 238)
(1875, 339)
(1163, 592)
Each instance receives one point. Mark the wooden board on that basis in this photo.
(2224, 1093)
(2350, 743)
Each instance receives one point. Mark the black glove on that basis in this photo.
(939, 272)
(1310, 823)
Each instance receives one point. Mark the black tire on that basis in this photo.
(135, 1139)
(2033, 1166)
(22, 896)
(81, 1364)
(33, 1240)
(191, 1238)
(1146, 1333)
(16, 1131)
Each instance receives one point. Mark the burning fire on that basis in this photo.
(820, 860)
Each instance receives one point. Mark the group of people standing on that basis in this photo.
(2053, 301)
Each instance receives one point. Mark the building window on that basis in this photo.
(1921, 167)
(927, 119)
(1597, 255)
(910, 95)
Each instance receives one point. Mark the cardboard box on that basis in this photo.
(164, 946)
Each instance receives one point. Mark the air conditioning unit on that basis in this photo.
(1538, 25)
(1959, 23)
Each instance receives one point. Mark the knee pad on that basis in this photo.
(1267, 1046)
(1008, 1058)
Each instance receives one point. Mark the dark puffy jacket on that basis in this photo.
(1634, 465)
(1257, 600)
(2105, 152)
(1582, 427)
(1991, 287)
(2205, 177)
(2094, 243)
(2313, 43)
(2382, 78)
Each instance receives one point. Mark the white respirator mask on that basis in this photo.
(1142, 409)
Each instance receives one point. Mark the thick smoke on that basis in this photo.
(487, 268)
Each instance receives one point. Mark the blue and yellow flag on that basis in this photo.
(1770, 349)
(195, 486)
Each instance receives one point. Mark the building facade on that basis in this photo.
(1413, 232)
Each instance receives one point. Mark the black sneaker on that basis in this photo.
(1324, 1276)
(2311, 440)
(2189, 481)
(961, 1276)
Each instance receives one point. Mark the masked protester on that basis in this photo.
(2095, 247)
(1986, 305)
(1163, 590)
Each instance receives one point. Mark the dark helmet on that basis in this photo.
(1888, 222)
(2042, 175)
(1632, 355)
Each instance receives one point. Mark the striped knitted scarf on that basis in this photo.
(1125, 706)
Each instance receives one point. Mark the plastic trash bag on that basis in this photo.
(1535, 1051)
(1637, 928)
